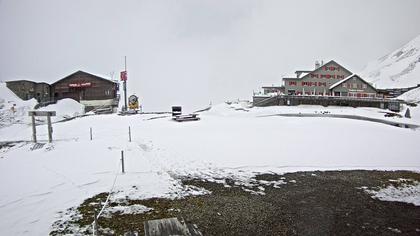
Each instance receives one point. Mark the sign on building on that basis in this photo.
(80, 85)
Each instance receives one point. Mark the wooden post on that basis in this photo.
(122, 161)
(48, 114)
(129, 133)
(33, 128)
(49, 128)
(91, 133)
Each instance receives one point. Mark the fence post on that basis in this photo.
(33, 128)
(91, 133)
(129, 133)
(122, 161)
(50, 130)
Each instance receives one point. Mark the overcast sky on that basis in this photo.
(191, 52)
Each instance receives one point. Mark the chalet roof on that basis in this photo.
(292, 78)
(303, 71)
(319, 68)
(349, 77)
(273, 86)
(86, 73)
(302, 74)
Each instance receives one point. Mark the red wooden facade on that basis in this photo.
(84, 86)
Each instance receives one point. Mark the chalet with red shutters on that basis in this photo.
(327, 84)
(330, 79)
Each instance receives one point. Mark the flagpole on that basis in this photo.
(125, 84)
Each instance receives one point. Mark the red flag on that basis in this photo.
(123, 75)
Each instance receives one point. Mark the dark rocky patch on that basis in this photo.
(318, 203)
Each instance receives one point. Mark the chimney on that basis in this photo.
(317, 65)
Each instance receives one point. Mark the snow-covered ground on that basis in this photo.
(407, 190)
(8, 102)
(65, 108)
(13, 110)
(411, 96)
(228, 141)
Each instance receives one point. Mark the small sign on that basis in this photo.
(41, 113)
(80, 85)
(133, 102)
(123, 75)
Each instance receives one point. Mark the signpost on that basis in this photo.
(123, 77)
(48, 114)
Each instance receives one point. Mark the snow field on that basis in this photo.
(39, 184)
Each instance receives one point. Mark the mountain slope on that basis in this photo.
(398, 69)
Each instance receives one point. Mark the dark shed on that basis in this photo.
(26, 90)
(82, 86)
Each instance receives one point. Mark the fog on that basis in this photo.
(190, 52)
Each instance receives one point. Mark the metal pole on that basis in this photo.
(33, 129)
(125, 84)
(95, 222)
(49, 128)
(91, 133)
(122, 161)
(129, 133)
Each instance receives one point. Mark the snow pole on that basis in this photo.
(95, 223)
(129, 133)
(91, 133)
(122, 162)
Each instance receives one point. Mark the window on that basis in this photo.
(364, 86)
(354, 85)
(344, 85)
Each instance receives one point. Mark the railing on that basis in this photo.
(338, 98)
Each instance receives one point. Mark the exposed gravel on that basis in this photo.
(310, 203)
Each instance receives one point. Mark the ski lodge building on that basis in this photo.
(90, 90)
(327, 84)
(330, 79)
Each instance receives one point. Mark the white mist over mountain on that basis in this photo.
(191, 52)
(398, 69)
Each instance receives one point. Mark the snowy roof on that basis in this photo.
(79, 71)
(25, 80)
(302, 74)
(349, 77)
(273, 86)
(303, 71)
